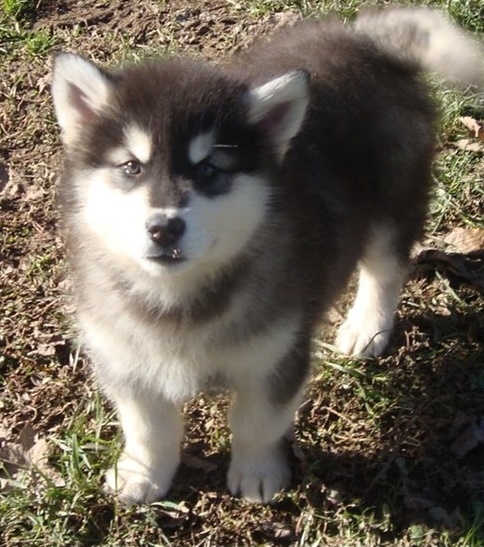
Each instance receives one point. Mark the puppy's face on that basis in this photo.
(171, 163)
(203, 210)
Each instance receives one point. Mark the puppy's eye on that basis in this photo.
(131, 168)
(206, 171)
(211, 179)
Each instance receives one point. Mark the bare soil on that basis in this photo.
(403, 419)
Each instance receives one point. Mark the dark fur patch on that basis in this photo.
(287, 378)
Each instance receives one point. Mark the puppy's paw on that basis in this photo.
(134, 482)
(363, 338)
(259, 478)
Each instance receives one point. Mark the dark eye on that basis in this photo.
(206, 171)
(131, 168)
(211, 179)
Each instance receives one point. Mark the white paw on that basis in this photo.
(259, 479)
(134, 482)
(363, 338)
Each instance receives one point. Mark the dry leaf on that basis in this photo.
(33, 192)
(38, 453)
(470, 146)
(4, 433)
(465, 267)
(44, 83)
(37, 457)
(465, 240)
(198, 463)
(26, 460)
(12, 462)
(27, 437)
(468, 440)
(475, 128)
(417, 503)
(439, 514)
(4, 177)
(276, 530)
(45, 350)
(461, 420)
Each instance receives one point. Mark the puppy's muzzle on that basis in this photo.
(165, 232)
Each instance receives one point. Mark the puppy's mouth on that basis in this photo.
(167, 257)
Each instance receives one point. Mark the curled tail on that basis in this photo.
(426, 40)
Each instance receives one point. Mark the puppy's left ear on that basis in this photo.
(279, 107)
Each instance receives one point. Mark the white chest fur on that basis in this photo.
(179, 362)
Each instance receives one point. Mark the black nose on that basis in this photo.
(165, 231)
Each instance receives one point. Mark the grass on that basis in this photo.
(18, 9)
(375, 459)
(15, 31)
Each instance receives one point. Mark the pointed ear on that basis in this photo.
(79, 90)
(279, 107)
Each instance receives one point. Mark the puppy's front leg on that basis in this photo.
(153, 431)
(260, 415)
(260, 464)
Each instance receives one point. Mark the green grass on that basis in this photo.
(15, 32)
(42, 510)
(469, 13)
(18, 9)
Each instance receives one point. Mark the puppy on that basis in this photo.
(213, 213)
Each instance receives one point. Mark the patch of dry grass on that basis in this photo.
(387, 452)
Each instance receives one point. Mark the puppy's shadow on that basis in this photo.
(419, 457)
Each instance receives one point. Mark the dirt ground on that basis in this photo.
(346, 459)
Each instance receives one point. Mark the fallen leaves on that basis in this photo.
(465, 435)
(468, 433)
(469, 146)
(25, 460)
(198, 463)
(423, 502)
(465, 240)
(462, 256)
(475, 128)
(4, 176)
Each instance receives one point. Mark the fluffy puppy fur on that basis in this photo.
(212, 213)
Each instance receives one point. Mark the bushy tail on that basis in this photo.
(425, 39)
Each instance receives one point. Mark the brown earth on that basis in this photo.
(349, 454)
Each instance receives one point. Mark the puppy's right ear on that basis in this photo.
(80, 90)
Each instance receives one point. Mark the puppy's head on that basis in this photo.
(171, 164)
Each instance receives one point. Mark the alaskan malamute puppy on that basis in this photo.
(212, 213)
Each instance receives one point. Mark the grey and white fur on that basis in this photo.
(213, 213)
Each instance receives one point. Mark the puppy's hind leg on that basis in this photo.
(369, 323)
